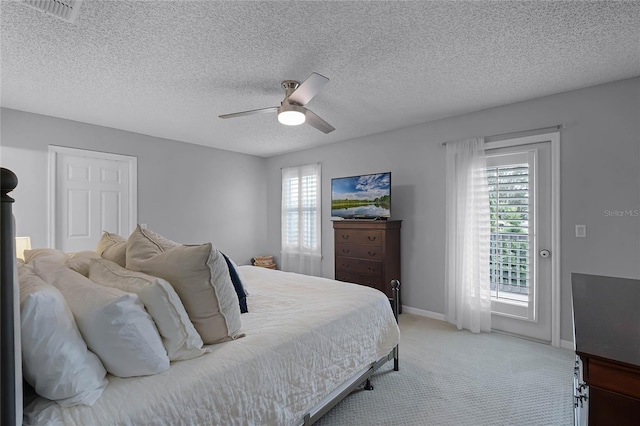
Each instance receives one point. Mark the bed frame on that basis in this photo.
(364, 377)
(8, 412)
(10, 415)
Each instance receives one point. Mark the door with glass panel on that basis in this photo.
(520, 267)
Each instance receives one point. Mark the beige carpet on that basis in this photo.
(451, 377)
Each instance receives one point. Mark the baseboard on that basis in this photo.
(566, 344)
(423, 313)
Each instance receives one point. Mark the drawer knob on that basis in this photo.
(372, 254)
(345, 236)
(345, 266)
(371, 269)
(345, 251)
(371, 238)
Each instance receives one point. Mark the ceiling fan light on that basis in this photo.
(291, 116)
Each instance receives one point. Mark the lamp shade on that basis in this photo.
(22, 244)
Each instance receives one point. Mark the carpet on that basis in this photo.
(451, 377)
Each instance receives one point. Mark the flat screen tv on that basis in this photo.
(361, 197)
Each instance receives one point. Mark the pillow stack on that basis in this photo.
(179, 336)
(199, 275)
(56, 361)
(114, 324)
(84, 315)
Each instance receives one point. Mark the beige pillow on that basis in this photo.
(112, 247)
(79, 261)
(198, 273)
(53, 255)
(179, 336)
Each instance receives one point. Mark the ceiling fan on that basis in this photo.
(291, 110)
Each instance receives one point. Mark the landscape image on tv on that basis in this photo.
(366, 196)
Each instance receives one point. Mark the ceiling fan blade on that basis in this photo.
(313, 120)
(252, 112)
(308, 88)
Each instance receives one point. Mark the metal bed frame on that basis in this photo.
(363, 377)
(9, 340)
(9, 411)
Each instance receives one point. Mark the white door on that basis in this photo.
(91, 192)
(520, 188)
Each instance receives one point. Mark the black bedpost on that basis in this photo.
(395, 289)
(8, 182)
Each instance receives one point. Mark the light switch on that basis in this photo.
(581, 231)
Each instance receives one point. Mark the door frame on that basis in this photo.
(55, 150)
(554, 139)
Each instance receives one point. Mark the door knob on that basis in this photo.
(545, 253)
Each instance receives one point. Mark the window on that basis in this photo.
(509, 250)
(301, 237)
(513, 204)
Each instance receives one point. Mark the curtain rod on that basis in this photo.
(504, 135)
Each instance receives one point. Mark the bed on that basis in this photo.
(308, 342)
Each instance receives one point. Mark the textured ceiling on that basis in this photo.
(169, 68)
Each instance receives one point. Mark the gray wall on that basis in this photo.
(188, 193)
(600, 171)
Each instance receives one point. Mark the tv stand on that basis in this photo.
(367, 252)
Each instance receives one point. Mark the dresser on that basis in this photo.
(367, 252)
(606, 321)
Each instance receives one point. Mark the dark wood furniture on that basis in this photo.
(367, 252)
(606, 315)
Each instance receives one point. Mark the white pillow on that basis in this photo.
(79, 261)
(55, 359)
(112, 247)
(200, 276)
(113, 323)
(39, 253)
(180, 338)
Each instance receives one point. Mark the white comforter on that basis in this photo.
(304, 337)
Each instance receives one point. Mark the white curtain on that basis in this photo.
(301, 219)
(467, 237)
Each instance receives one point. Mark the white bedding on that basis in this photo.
(305, 336)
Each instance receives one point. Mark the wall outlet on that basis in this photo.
(143, 225)
(581, 231)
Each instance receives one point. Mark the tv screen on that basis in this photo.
(361, 197)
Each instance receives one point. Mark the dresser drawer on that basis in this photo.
(359, 236)
(368, 252)
(368, 280)
(614, 377)
(358, 266)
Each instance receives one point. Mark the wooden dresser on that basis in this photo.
(606, 317)
(367, 252)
